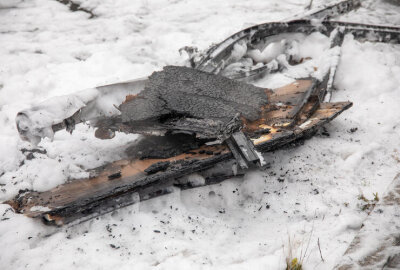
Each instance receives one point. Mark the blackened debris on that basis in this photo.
(260, 132)
(29, 153)
(114, 246)
(325, 132)
(186, 100)
(36, 150)
(77, 7)
(114, 176)
(163, 146)
(157, 167)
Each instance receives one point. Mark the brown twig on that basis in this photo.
(320, 253)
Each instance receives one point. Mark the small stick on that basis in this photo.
(309, 5)
(320, 253)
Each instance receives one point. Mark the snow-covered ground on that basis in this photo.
(308, 194)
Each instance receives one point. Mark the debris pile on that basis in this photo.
(194, 120)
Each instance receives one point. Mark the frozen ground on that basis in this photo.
(308, 193)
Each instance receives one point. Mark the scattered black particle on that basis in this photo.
(325, 132)
(114, 176)
(75, 6)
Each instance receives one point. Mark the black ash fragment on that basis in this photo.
(114, 176)
(157, 167)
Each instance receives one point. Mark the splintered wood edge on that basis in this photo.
(280, 110)
(324, 114)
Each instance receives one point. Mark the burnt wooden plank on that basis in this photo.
(157, 164)
(86, 197)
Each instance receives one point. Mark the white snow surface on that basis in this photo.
(307, 193)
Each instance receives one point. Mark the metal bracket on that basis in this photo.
(243, 150)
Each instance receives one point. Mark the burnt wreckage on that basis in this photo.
(202, 119)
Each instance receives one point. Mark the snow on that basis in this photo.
(271, 52)
(239, 50)
(376, 243)
(39, 208)
(312, 53)
(307, 193)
